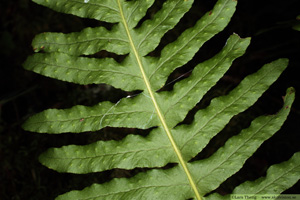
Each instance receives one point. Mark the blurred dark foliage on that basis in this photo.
(24, 93)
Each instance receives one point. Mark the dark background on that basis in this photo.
(24, 93)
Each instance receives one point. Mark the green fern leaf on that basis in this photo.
(279, 178)
(64, 57)
(283, 176)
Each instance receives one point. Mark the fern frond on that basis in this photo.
(68, 57)
(232, 156)
(279, 178)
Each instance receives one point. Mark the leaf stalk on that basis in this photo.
(158, 111)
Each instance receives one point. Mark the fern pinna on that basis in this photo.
(65, 57)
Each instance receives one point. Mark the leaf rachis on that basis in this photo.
(158, 111)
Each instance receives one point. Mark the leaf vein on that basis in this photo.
(150, 31)
(238, 148)
(96, 4)
(88, 70)
(196, 83)
(108, 154)
(222, 110)
(188, 41)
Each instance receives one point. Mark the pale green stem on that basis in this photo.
(158, 111)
